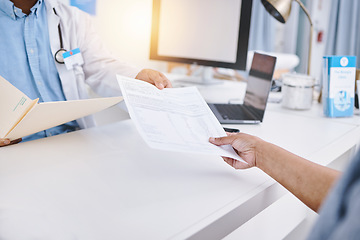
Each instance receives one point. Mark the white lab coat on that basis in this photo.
(99, 69)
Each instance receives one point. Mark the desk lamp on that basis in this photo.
(280, 9)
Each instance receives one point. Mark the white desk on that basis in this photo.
(106, 183)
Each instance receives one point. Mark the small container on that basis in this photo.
(297, 91)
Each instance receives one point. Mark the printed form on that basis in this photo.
(173, 119)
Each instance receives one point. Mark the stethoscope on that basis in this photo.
(59, 54)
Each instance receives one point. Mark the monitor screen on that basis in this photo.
(205, 32)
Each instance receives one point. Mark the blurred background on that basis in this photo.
(125, 26)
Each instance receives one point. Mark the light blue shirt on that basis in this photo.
(26, 60)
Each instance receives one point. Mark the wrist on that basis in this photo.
(263, 151)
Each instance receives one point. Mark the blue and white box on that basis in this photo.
(339, 86)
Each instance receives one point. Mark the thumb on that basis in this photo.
(4, 142)
(159, 85)
(221, 140)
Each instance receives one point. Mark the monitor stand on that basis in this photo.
(202, 76)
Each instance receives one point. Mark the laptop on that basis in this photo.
(256, 96)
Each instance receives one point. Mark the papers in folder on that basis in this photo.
(20, 116)
(173, 119)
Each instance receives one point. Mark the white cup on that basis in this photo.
(297, 91)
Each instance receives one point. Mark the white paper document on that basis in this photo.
(173, 119)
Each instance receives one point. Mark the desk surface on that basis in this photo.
(106, 183)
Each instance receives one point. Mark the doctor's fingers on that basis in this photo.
(5, 141)
(161, 81)
(154, 77)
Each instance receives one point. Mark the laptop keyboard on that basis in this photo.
(232, 111)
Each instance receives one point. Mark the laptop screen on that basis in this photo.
(259, 82)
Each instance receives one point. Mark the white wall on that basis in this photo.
(125, 26)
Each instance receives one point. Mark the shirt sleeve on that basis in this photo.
(339, 215)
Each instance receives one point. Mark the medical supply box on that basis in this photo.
(338, 88)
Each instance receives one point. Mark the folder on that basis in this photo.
(21, 116)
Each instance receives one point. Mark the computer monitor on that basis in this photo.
(204, 32)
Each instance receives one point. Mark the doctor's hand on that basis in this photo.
(154, 77)
(5, 142)
(246, 146)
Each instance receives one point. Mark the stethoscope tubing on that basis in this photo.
(59, 53)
